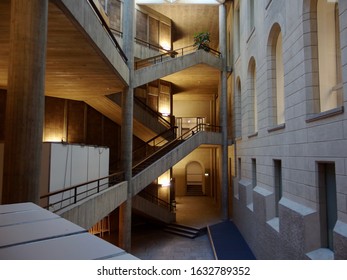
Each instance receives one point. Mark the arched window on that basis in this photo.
(237, 33)
(276, 76)
(329, 55)
(279, 80)
(252, 94)
(238, 109)
(251, 15)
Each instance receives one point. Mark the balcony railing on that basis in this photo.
(58, 200)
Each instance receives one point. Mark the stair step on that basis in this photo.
(182, 230)
(194, 190)
(180, 233)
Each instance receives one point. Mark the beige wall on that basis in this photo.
(194, 108)
(203, 156)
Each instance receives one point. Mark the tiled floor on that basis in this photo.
(151, 243)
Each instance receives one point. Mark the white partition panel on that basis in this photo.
(74, 164)
(104, 165)
(79, 171)
(93, 168)
(60, 173)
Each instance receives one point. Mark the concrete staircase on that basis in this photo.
(175, 64)
(150, 169)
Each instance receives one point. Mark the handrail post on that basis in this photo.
(98, 188)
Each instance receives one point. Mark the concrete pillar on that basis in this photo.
(127, 124)
(224, 113)
(25, 101)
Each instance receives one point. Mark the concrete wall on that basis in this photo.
(88, 212)
(307, 138)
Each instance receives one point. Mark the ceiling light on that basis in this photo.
(171, 1)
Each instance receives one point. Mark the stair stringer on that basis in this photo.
(174, 65)
(149, 174)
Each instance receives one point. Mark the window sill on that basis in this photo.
(277, 127)
(274, 223)
(326, 114)
(321, 254)
(253, 135)
(250, 207)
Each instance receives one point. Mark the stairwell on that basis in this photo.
(172, 151)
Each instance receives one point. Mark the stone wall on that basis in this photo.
(306, 139)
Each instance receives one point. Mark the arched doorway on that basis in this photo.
(195, 183)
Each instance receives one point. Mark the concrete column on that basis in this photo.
(224, 112)
(25, 101)
(127, 124)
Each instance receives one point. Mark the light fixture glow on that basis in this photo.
(171, 1)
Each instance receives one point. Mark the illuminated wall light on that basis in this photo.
(164, 179)
(165, 45)
(52, 137)
(164, 110)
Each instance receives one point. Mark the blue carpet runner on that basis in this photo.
(229, 243)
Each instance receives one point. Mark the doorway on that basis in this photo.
(195, 179)
(327, 203)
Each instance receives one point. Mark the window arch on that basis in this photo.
(276, 76)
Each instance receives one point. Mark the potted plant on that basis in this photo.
(202, 41)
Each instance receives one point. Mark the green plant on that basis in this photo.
(202, 41)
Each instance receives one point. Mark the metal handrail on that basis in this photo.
(153, 144)
(150, 45)
(81, 191)
(152, 112)
(108, 30)
(171, 54)
(155, 149)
